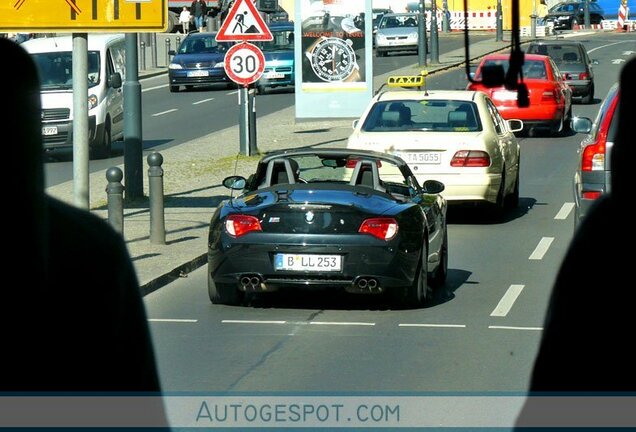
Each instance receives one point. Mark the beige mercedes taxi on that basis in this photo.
(454, 136)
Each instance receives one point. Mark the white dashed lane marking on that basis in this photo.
(565, 211)
(252, 322)
(542, 248)
(506, 302)
(202, 101)
(172, 320)
(164, 112)
(515, 328)
(341, 323)
(433, 325)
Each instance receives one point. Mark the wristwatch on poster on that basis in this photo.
(333, 59)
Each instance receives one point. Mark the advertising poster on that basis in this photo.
(333, 44)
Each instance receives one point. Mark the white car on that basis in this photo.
(396, 33)
(457, 137)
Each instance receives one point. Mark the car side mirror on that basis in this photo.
(234, 182)
(354, 123)
(581, 124)
(432, 187)
(515, 125)
(115, 80)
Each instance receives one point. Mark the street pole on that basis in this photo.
(533, 20)
(244, 121)
(421, 40)
(81, 187)
(499, 35)
(133, 163)
(586, 14)
(434, 35)
(445, 21)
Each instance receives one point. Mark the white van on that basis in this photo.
(106, 70)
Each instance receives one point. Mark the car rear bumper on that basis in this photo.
(460, 188)
(386, 265)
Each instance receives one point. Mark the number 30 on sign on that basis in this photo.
(244, 63)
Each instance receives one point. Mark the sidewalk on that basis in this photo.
(193, 172)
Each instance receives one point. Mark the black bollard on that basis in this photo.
(115, 196)
(155, 188)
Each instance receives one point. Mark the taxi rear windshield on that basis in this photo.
(423, 115)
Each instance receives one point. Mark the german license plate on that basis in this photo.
(198, 73)
(273, 75)
(49, 130)
(504, 95)
(306, 262)
(421, 157)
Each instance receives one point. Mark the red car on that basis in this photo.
(550, 97)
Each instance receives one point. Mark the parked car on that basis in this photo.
(550, 97)
(279, 58)
(396, 32)
(568, 15)
(331, 218)
(456, 137)
(593, 170)
(574, 63)
(198, 61)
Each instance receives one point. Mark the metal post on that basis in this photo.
(155, 191)
(177, 42)
(167, 51)
(499, 17)
(133, 143)
(434, 34)
(244, 122)
(445, 19)
(153, 50)
(142, 45)
(586, 14)
(81, 189)
(115, 197)
(533, 20)
(421, 40)
(252, 121)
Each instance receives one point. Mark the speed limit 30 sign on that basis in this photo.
(244, 63)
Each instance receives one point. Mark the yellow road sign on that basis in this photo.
(44, 16)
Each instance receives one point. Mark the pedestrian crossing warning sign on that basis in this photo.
(243, 23)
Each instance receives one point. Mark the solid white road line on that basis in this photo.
(172, 320)
(434, 325)
(252, 322)
(542, 248)
(164, 112)
(154, 88)
(565, 211)
(506, 302)
(515, 328)
(202, 101)
(341, 323)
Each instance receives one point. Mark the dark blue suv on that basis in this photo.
(279, 58)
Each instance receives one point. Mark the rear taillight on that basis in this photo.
(382, 228)
(584, 76)
(591, 195)
(238, 225)
(594, 157)
(470, 158)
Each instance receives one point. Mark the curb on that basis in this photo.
(174, 274)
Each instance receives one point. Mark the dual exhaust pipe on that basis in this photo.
(367, 285)
(251, 283)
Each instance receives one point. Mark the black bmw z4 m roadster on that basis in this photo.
(346, 219)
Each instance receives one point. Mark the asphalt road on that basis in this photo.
(481, 334)
(170, 119)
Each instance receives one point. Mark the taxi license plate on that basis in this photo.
(504, 95)
(305, 262)
(273, 75)
(421, 157)
(49, 130)
(198, 73)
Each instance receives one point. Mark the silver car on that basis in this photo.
(396, 32)
(593, 174)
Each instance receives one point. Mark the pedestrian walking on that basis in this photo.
(199, 9)
(184, 18)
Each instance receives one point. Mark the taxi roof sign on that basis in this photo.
(405, 81)
(243, 23)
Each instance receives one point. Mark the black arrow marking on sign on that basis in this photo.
(116, 9)
(138, 11)
(94, 9)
